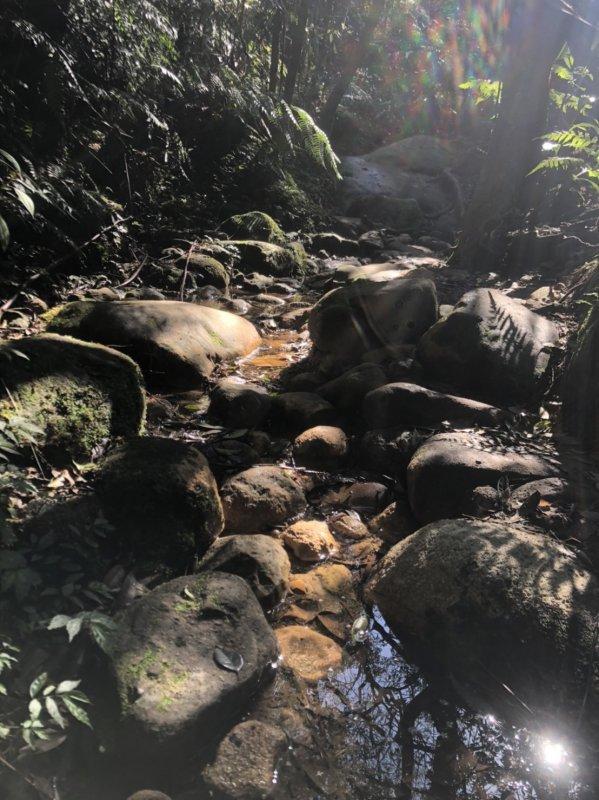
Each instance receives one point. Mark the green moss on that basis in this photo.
(171, 682)
(130, 672)
(271, 259)
(255, 225)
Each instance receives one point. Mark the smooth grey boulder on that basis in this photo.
(490, 346)
(497, 606)
(410, 405)
(367, 314)
(447, 468)
(185, 661)
(175, 344)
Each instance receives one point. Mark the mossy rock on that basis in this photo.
(270, 259)
(161, 497)
(255, 225)
(79, 394)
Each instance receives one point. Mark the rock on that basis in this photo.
(255, 225)
(162, 499)
(206, 270)
(270, 259)
(78, 394)
(309, 540)
(552, 490)
(260, 498)
(167, 668)
(351, 320)
(239, 404)
(389, 450)
(297, 411)
(176, 344)
(348, 524)
(579, 416)
(498, 606)
(245, 767)
(295, 319)
(446, 469)
(259, 559)
(491, 346)
(148, 794)
(308, 654)
(409, 405)
(334, 244)
(321, 447)
(145, 293)
(394, 523)
(404, 214)
(366, 496)
(269, 300)
(347, 391)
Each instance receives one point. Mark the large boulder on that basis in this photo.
(347, 391)
(78, 394)
(260, 560)
(296, 411)
(255, 225)
(403, 183)
(261, 498)
(239, 404)
(270, 259)
(367, 314)
(162, 499)
(580, 384)
(410, 405)
(176, 344)
(491, 346)
(184, 662)
(449, 466)
(500, 608)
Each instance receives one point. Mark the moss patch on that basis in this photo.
(255, 225)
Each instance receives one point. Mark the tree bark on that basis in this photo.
(537, 32)
(298, 42)
(355, 58)
(275, 50)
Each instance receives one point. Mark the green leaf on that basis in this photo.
(38, 684)
(25, 200)
(80, 714)
(4, 731)
(4, 234)
(35, 708)
(59, 621)
(64, 687)
(74, 627)
(3, 689)
(54, 712)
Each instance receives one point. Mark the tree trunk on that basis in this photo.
(536, 34)
(298, 42)
(355, 58)
(275, 50)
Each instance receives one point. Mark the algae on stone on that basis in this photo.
(255, 225)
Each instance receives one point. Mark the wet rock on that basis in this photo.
(325, 594)
(162, 499)
(498, 606)
(348, 391)
(298, 411)
(78, 394)
(348, 524)
(295, 319)
(308, 654)
(491, 346)
(351, 320)
(366, 496)
(447, 468)
(309, 540)
(334, 244)
(410, 405)
(239, 404)
(176, 344)
(259, 559)
(246, 761)
(270, 259)
(255, 225)
(389, 450)
(394, 523)
(260, 498)
(171, 692)
(321, 447)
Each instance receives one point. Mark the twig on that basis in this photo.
(186, 270)
(135, 274)
(55, 264)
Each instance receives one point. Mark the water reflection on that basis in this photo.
(396, 736)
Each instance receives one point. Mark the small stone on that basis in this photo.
(260, 498)
(308, 654)
(310, 541)
(148, 794)
(394, 523)
(321, 447)
(239, 404)
(348, 524)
